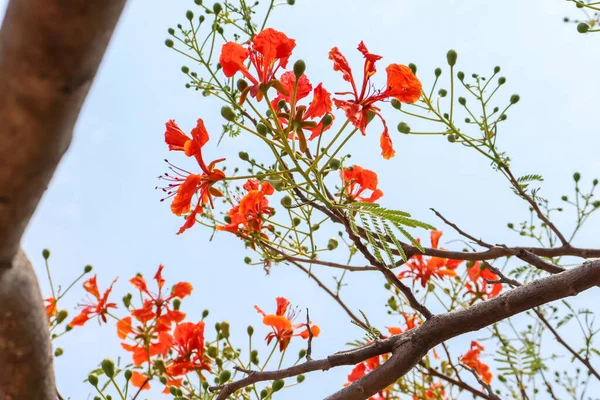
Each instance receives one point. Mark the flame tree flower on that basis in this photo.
(184, 185)
(471, 360)
(358, 179)
(281, 324)
(402, 84)
(268, 51)
(479, 287)
(94, 308)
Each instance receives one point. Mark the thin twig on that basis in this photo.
(487, 386)
(310, 337)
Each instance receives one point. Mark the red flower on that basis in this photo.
(282, 326)
(188, 342)
(268, 51)
(248, 217)
(138, 380)
(188, 184)
(402, 85)
(471, 360)
(310, 118)
(364, 368)
(479, 286)
(356, 180)
(433, 267)
(411, 323)
(94, 308)
(50, 307)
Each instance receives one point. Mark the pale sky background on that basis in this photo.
(102, 209)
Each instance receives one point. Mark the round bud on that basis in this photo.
(565, 19)
(189, 15)
(582, 27)
(250, 330)
(446, 116)
(173, 390)
(460, 75)
(278, 385)
(335, 164)
(87, 269)
(332, 244)
(302, 353)
(61, 316)
(501, 80)
(468, 120)
(243, 156)
(437, 72)
(264, 393)
(46, 254)
(261, 129)
(281, 104)
(225, 329)
(451, 138)
(204, 314)
(218, 326)
(93, 380)
(315, 227)
(299, 68)
(291, 2)
(327, 120)
(564, 198)
(510, 225)
(202, 18)
(128, 374)
(108, 367)
(451, 56)
(169, 43)
(462, 101)
(212, 351)
(496, 69)
(176, 304)
(514, 99)
(403, 127)
(58, 352)
(247, 260)
(171, 31)
(224, 376)
(503, 117)
(413, 68)
(595, 182)
(443, 92)
(396, 104)
(241, 84)
(217, 8)
(127, 300)
(300, 378)
(227, 219)
(576, 176)
(185, 70)
(286, 201)
(227, 113)
(220, 30)
(596, 204)
(198, 2)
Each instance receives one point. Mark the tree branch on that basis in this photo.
(49, 54)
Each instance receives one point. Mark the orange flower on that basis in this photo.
(188, 342)
(356, 180)
(364, 368)
(411, 323)
(138, 380)
(402, 85)
(183, 184)
(471, 360)
(480, 288)
(434, 266)
(50, 307)
(282, 326)
(94, 308)
(248, 217)
(436, 391)
(310, 118)
(269, 50)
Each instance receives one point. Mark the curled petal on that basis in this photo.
(182, 289)
(402, 84)
(182, 201)
(174, 136)
(341, 64)
(124, 327)
(274, 45)
(232, 58)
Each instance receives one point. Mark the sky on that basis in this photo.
(102, 209)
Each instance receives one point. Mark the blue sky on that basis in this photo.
(102, 209)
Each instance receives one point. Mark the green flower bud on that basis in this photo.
(596, 204)
(212, 351)
(46, 254)
(335, 164)
(220, 30)
(514, 99)
(451, 56)
(127, 300)
(204, 314)
(503, 117)
(185, 70)
(87, 269)
(169, 43)
(291, 2)
(264, 393)
(437, 72)
(564, 198)
(296, 221)
(403, 127)
(468, 120)
(198, 2)
(501, 80)
(217, 8)
(202, 18)
(250, 330)
(243, 156)
(128, 374)
(461, 75)
(300, 378)
(227, 219)
(262, 129)
(462, 101)
(582, 27)
(61, 316)
(189, 15)
(227, 113)
(247, 260)
(278, 385)
(332, 244)
(93, 380)
(281, 104)
(176, 304)
(225, 329)
(511, 225)
(413, 68)
(302, 354)
(443, 92)
(396, 104)
(579, 4)
(218, 326)
(58, 352)
(315, 227)
(224, 376)
(241, 84)
(171, 31)
(576, 176)
(299, 68)
(451, 138)
(496, 69)
(286, 201)
(173, 390)
(108, 366)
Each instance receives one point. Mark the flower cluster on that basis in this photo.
(471, 360)
(96, 307)
(481, 286)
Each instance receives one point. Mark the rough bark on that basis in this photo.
(49, 53)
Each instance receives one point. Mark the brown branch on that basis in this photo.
(487, 386)
(49, 54)
(458, 383)
(461, 232)
(446, 326)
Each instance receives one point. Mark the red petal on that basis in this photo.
(232, 58)
(175, 137)
(341, 64)
(402, 83)
(182, 202)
